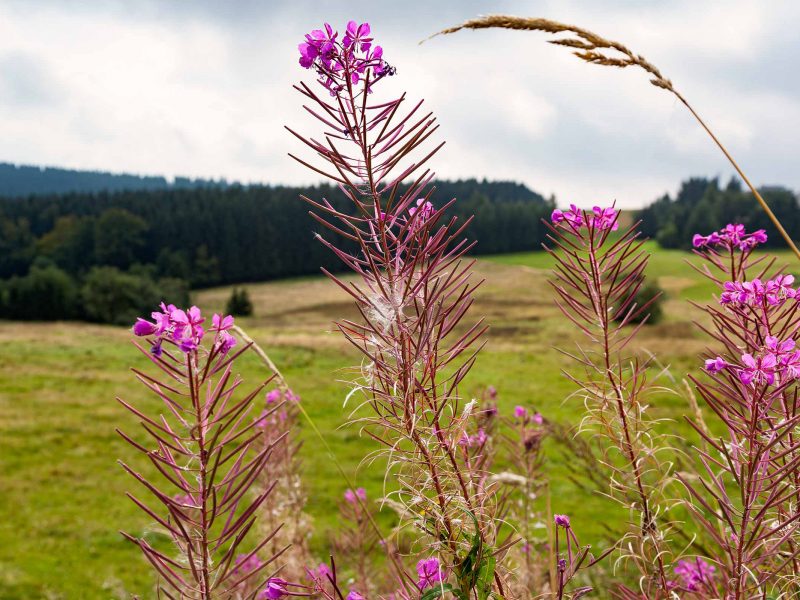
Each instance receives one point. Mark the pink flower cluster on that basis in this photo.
(275, 587)
(246, 564)
(270, 417)
(757, 293)
(694, 574)
(277, 395)
(347, 62)
(430, 573)
(476, 440)
(184, 328)
(522, 413)
(778, 362)
(352, 497)
(731, 236)
(321, 578)
(599, 218)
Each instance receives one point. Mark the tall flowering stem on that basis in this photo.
(523, 438)
(286, 510)
(596, 277)
(412, 290)
(748, 496)
(570, 560)
(356, 540)
(207, 453)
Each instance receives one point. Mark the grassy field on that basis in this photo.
(63, 495)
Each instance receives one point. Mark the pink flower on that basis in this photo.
(733, 233)
(759, 236)
(352, 497)
(246, 564)
(186, 328)
(323, 571)
(790, 365)
(142, 328)
(757, 293)
(474, 441)
(354, 595)
(561, 521)
(604, 218)
(758, 370)
(715, 365)
(221, 323)
(779, 288)
(357, 35)
(185, 500)
(573, 217)
(537, 418)
(273, 396)
(276, 588)
(225, 342)
(694, 574)
(425, 210)
(777, 347)
(520, 412)
(430, 572)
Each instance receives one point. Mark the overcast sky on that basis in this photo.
(203, 89)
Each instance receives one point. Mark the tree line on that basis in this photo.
(109, 256)
(703, 205)
(27, 180)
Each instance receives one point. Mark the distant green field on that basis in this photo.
(63, 495)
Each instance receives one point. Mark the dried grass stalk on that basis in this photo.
(593, 48)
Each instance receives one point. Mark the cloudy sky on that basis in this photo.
(203, 89)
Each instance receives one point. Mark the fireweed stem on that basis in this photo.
(649, 528)
(400, 572)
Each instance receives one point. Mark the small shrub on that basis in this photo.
(651, 292)
(113, 296)
(47, 293)
(239, 303)
(649, 295)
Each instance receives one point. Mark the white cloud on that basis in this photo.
(203, 89)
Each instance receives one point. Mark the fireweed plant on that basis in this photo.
(596, 277)
(284, 513)
(210, 455)
(356, 542)
(412, 290)
(747, 493)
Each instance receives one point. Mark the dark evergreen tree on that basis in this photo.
(239, 303)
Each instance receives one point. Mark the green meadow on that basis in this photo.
(62, 495)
